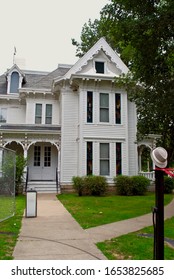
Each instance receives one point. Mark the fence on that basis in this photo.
(7, 183)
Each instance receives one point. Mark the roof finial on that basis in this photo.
(14, 53)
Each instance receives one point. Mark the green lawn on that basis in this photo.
(9, 230)
(7, 206)
(135, 247)
(94, 211)
(91, 211)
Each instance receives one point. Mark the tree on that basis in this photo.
(142, 31)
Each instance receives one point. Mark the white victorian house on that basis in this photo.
(73, 121)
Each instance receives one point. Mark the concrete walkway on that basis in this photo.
(54, 234)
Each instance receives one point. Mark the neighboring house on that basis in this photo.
(73, 121)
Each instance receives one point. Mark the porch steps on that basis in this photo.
(43, 186)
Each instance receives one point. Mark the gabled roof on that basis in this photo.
(13, 68)
(100, 45)
(46, 81)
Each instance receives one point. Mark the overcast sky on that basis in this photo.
(41, 31)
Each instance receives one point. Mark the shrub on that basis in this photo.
(140, 185)
(20, 165)
(78, 184)
(90, 185)
(168, 184)
(131, 185)
(123, 184)
(96, 185)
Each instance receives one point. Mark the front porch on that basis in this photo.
(145, 165)
(41, 148)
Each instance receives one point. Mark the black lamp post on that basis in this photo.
(159, 214)
(159, 157)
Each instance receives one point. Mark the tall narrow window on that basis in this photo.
(118, 108)
(14, 85)
(118, 159)
(37, 154)
(38, 114)
(3, 115)
(47, 156)
(48, 114)
(89, 106)
(104, 159)
(104, 107)
(99, 67)
(89, 158)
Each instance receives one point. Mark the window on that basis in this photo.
(3, 115)
(47, 156)
(48, 114)
(14, 85)
(104, 159)
(89, 158)
(104, 107)
(89, 106)
(118, 159)
(38, 114)
(37, 153)
(117, 108)
(99, 67)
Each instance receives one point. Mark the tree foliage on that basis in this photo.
(142, 32)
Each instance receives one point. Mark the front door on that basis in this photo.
(43, 163)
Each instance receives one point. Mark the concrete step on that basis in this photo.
(43, 186)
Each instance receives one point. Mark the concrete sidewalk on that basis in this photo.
(54, 234)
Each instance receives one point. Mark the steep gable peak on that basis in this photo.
(100, 46)
(15, 68)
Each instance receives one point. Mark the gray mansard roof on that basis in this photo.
(37, 79)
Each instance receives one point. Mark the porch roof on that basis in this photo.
(30, 128)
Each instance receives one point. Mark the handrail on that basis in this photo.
(27, 176)
(57, 180)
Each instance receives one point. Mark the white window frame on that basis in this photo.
(104, 64)
(104, 159)
(38, 116)
(104, 108)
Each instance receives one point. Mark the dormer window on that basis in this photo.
(100, 67)
(14, 85)
(15, 79)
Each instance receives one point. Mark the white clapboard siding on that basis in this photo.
(69, 133)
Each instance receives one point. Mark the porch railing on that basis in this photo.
(149, 175)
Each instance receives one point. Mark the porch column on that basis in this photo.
(139, 159)
(59, 164)
(25, 168)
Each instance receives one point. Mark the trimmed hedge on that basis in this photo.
(90, 185)
(131, 185)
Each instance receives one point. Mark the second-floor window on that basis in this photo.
(118, 108)
(48, 114)
(3, 115)
(104, 107)
(89, 106)
(38, 114)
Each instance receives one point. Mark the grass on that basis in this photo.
(9, 230)
(7, 206)
(94, 211)
(91, 211)
(135, 247)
